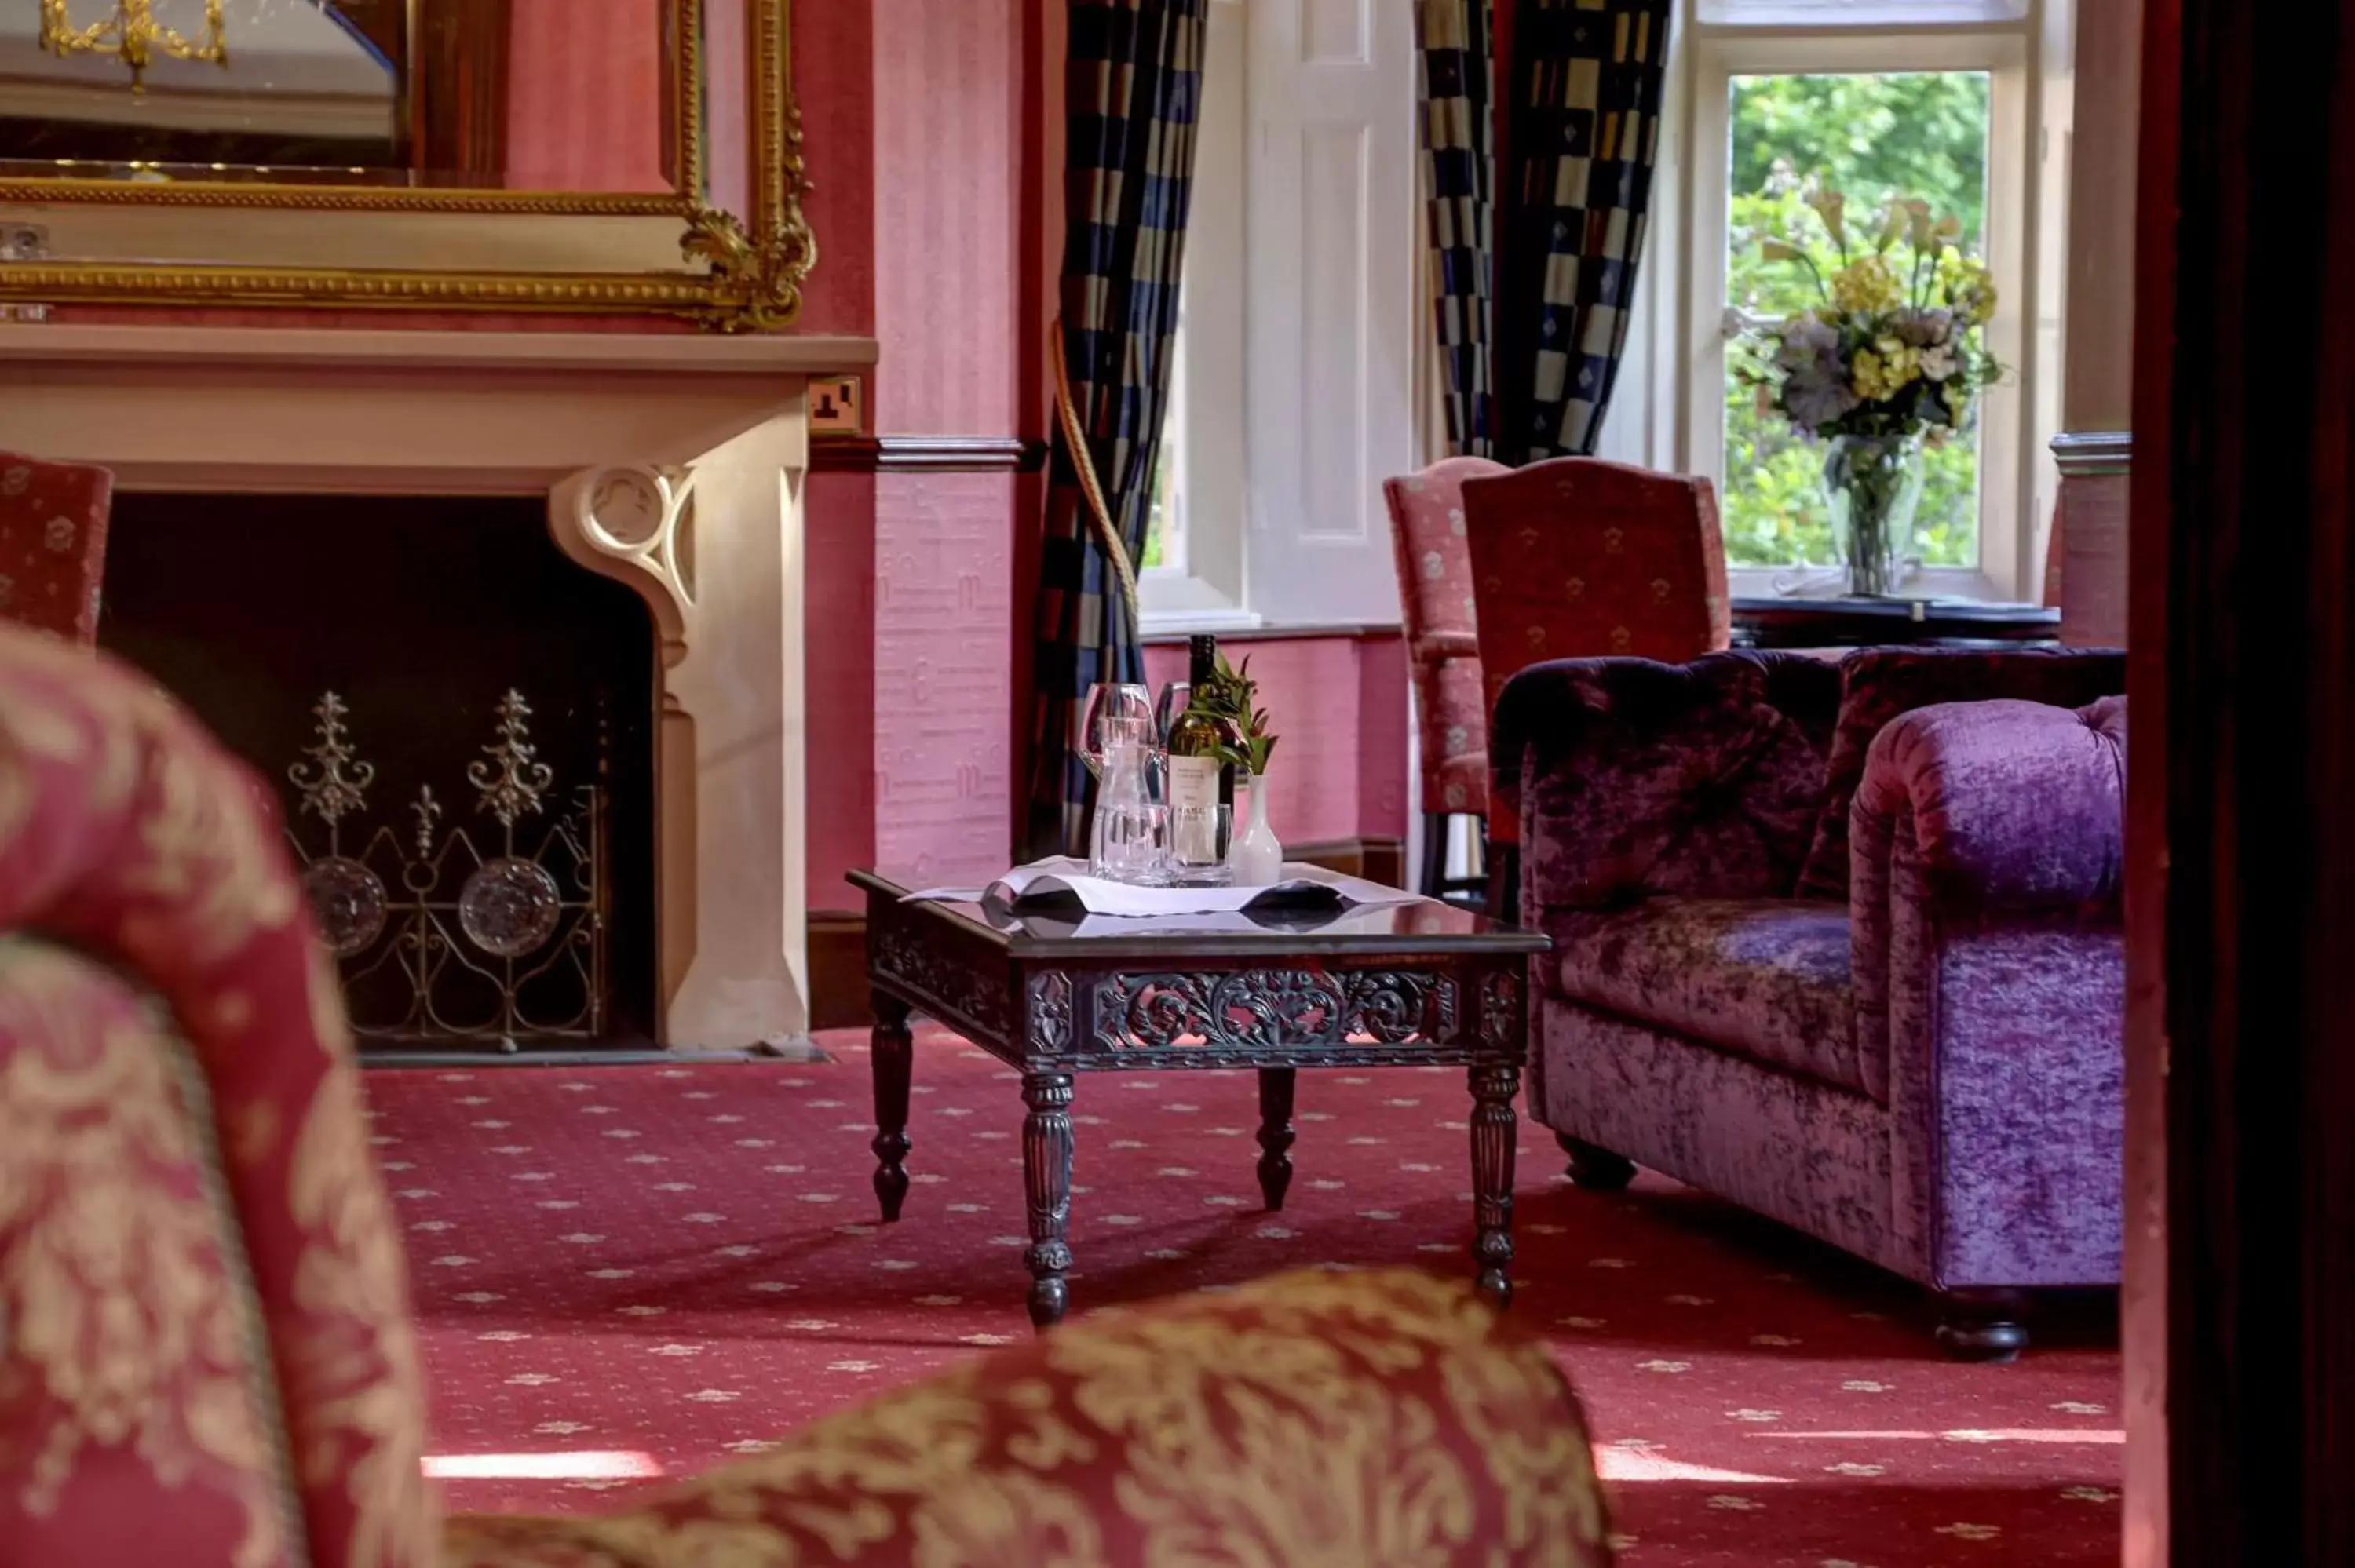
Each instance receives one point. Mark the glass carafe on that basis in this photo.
(1130, 838)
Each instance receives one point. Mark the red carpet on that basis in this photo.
(641, 1271)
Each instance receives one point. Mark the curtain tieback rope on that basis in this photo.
(1084, 460)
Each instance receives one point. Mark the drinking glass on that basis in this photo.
(1176, 697)
(1198, 837)
(1118, 712)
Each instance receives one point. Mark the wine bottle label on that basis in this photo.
(1193, 801)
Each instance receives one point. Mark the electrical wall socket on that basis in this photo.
(833, 405)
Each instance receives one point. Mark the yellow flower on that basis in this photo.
(1867, 287)
(1867, 376)
(1958, 398)
(1969, 290)
(1885, 369)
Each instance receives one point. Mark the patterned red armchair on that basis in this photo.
(52, 545)
(1442, 648)
(206, 1356)
(1575, 558)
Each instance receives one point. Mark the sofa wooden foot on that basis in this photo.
(1984, 1325)
(1596, 1170)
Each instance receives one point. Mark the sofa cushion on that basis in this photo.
(1879, 684)
(1766, 978)
(1666, 780)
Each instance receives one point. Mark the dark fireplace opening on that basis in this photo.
(421, 615)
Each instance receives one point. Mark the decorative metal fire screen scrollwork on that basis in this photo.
(1258, 1009)
(436, 940)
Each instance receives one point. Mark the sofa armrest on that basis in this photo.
(1630, 777)
(1987, 970)
(1387, 1419)
(2005, 803)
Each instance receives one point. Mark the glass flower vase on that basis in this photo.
(1874, 486)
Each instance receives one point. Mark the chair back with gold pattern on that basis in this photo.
(206, 1354)
(1580, 558)
(53, 519)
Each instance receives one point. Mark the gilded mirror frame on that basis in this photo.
(734, 271)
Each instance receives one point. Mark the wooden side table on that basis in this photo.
(1418, 984)
(1775, 623)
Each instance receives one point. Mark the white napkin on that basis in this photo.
(1064, 874)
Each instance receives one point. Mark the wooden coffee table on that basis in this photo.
(1405, 985)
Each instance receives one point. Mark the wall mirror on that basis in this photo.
(602, 156)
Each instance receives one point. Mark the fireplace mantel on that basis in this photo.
(672, 464)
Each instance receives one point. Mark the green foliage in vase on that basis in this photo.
(1875, 137)
(1231, 694)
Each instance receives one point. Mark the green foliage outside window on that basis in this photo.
(1911, 134)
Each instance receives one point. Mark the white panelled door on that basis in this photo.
(1331, 263)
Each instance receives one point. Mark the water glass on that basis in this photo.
(1198, 837)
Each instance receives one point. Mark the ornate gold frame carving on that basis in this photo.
(738, 271)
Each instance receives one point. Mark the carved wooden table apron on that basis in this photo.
(1411, 985)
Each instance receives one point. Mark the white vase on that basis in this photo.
(1255, 857)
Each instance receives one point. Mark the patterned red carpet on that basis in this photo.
(631, 1272)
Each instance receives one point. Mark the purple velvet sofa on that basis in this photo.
(1840, 942)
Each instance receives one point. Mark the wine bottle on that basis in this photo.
(1200, 775)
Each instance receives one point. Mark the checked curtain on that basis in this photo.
(1533, 300)
(1131, 88)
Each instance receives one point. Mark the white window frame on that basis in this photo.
(1204, 435)
(1284, 529)
(2009, 50)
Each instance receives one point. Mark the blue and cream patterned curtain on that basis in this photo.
(1588, 77)
(1131, 88)
(1457, 40)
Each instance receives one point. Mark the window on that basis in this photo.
(1293, 390)
(1875, 136)
(1931, 98)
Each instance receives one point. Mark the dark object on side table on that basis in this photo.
(1906, 1041)
(1421, 984)
(1957, 623)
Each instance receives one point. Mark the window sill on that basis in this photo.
(1259, 631)
(1804, 583)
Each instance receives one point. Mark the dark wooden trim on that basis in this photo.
(2252, 521)
(926, 454)
(838, 969)
(2082, 454)
(2143, 1331)
(1375, 857)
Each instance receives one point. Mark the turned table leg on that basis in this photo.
(893, 1053)
(1275, 1135)
(1046, 1178)
(1494, 1130)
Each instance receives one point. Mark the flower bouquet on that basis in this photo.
(1892, 357)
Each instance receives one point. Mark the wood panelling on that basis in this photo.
(2244, 571)
(926, 454)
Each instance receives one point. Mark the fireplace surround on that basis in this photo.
(671, 463)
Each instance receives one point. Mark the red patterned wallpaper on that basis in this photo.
(1339, 707)
(584, 97)
(949, 80)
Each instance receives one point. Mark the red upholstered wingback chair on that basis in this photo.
(206, 1353)
(1443, 649)
(52, 545)
(1577, 557)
